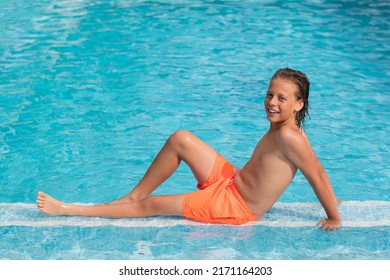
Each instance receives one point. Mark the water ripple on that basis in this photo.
(82, 78)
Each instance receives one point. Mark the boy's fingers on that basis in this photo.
(328, 225)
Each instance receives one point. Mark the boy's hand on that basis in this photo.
(328, 224)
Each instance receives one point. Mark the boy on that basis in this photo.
(227, 194)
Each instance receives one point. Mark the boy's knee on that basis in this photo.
(180, 138)
(151, 206)
(148, 203)
(181, 134)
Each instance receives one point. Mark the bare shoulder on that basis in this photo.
(292, 137)
(295, 144)
(296, 147)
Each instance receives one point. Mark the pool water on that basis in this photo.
(90, 90)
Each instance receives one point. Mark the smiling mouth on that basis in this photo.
(272, 111)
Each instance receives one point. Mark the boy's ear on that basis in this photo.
(299, 105)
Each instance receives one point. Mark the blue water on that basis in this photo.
(90, 90)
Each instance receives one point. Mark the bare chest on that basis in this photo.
(268, 156)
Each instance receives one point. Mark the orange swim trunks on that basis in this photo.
(217, 200)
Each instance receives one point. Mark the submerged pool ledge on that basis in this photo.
(295, 214)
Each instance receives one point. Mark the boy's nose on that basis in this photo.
(272, 101)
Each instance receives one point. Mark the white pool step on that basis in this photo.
(305, 214)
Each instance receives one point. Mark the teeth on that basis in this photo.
(272, 111)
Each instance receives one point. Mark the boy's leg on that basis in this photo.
(180, 146)
(150, 206)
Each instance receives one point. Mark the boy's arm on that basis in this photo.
(323, 173)
(325, 177)
(298, 150)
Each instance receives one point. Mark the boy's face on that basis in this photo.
(280, 103)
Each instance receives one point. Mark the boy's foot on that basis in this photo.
(50, 206)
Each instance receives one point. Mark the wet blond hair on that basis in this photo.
(303, 84)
